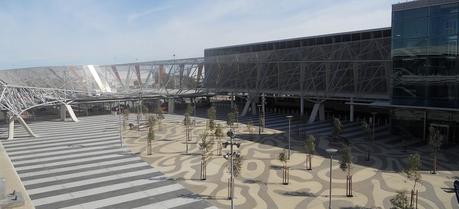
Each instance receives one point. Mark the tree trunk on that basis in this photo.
(148, 147)
(203, 170)
(434, 163)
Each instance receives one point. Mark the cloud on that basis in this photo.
(96, 32)
(137, 15)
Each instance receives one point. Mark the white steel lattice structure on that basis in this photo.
(24, 89)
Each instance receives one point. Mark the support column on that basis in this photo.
(254, 107)
(26, 127)
(263, 109)
(232, 101)
(322, 112)
(171, 106)
(63, 112)
(11, 127)
(301, 106)
(246, 107)
(351, 116)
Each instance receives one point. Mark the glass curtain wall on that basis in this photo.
(425, 56)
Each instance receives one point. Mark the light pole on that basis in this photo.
(230, 155)
(259, 120)
(289, 119)
(330, 151)
(373, 124)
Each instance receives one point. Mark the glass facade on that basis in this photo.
(425, 56)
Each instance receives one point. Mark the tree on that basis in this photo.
(310, 146)
(231, 119)
(412, 173)
(346, 165)
(219, 134)
(285, 172)
(212, 115)
(337, 128)
(160, 117)
(187, 124)
(150, 139)
(435, 142)
(125, 118)
(237, 168)
(236, 114)
(370, 136)
(189, 109)
(250, 127)
(400, 201)
(206, 153)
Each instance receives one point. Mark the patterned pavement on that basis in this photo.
(260, 183)
(81, 165)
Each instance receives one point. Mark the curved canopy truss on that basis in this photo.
(23, 89)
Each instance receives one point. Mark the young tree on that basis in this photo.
(400, 201)
(310, 146)
(231, 119)
(237, 168)
(412, 172)
(219, 134)
(212, 115)
(125, 118)
(189, 109)
(206, 153)
(346, 165)
(250, 127)
(150, 139)
(160, 117)
(435, 142)
(236, 114)
(187, 124)
(370, 137)
(337, 128)
(285, 171)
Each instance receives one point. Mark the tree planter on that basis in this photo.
(349, 186)
(414, 199)
(285, 175)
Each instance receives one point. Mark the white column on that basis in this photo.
(246, 107)
(63, 112)
(27, 128)
(11, 127)
(170, 106)
(351, 116)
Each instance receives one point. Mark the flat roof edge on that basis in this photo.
(303, 37)
(420, 3)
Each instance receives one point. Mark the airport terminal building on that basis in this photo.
(408, 74)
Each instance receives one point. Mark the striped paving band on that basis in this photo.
(82, 165)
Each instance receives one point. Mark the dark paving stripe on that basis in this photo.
(105, 195)
(109, 142)
(148, 200)
(80, 178)
(193, 205)
(71, 164)
(71, 152)
(79, 170)
(116, 151)
(95, 185)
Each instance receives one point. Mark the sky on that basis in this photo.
(72, 32)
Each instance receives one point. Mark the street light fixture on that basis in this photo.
(230, 155)
(289, 119)
(330, 151)
(259, 120)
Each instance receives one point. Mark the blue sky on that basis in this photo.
(64, 32)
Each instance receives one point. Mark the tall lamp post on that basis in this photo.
(373, 124)
(230, 156)
(289, 119)
(330, 151)
(259, 120)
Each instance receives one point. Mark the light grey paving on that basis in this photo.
(82, 165)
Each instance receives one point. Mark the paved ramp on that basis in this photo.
(81, 165)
